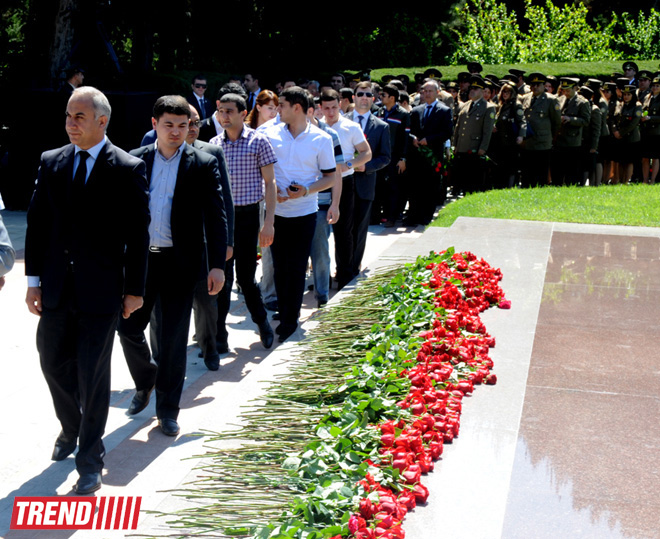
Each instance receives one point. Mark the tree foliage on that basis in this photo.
(491, 33)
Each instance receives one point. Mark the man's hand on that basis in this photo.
(130, 304)
(423, 142)
(360, 168)
(215, 281)
(401, 166)
(298, 191)
(2, 282)
(33, 299)
(266, 235)
(333, 214)
(230, 252)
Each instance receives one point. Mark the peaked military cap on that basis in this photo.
(630, 65)
(432, 73)
(474, 67)
(534, 78)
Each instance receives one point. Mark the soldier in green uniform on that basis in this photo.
(474, 128)
(542, 119)
(506, 140)
(590, 138)
(625, 129)
(650, 133)
(644, 88)
(604, 139)
(575, 116)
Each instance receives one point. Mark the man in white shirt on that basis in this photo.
(305, 165)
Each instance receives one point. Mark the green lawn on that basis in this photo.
(635, 205)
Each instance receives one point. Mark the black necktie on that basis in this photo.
(427, 112)
(361, 119)
(81, 172)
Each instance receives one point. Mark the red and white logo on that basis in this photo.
(76, 513)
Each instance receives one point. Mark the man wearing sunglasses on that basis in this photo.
(205, 107)
(377, 133)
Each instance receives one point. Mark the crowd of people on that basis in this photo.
(118, 241)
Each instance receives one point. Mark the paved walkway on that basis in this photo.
(567, 444)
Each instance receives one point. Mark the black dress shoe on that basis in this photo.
(88, 483)
(212, 362)
(266, 334)
(169, 426)
(285, 332)
(64, 446)
(140, 401)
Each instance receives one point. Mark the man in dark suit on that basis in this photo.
(85, 257)
(377, 133)
(205, 107)
(205, 306)
(430, 127)
(187, 207)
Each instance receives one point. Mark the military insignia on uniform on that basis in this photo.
(638, 113)
(492, 115)
(556, 106)
(520, 112)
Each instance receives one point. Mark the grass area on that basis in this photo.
(633, 205)
(558, 69)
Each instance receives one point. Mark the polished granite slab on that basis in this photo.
(588, 455)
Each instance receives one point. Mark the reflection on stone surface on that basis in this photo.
(537, 492)
(591, 417)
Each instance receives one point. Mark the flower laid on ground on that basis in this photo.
(340, 448)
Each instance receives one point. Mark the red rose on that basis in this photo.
(366, 508)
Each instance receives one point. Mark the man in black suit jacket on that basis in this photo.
(377, 133)
(85, 257)
(430, 128)
(205, 107)
(205, 306)
(187, 207)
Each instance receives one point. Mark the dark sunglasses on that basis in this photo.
(362, 94)
(197, 85)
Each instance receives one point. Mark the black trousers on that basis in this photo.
(566, 166)
(426, 190)
(246, 239)
(361, 219)
(535, 165)
(343, 232)
(167, 309)
(75, 350)
(291, 249)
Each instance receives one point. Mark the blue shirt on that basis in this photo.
(161, 192)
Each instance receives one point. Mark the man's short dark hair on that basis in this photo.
(295, 95)
(231, 88)
(391, 90)
(171, 104)
(404, 97)
(346, 93)
(199, 76)
(329, 95)
(239, 100)
(397, 84)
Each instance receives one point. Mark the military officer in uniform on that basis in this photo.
(521, 87)
(542, 120)
(575, 116)
(650, 133)
(625, 130)
(644, 89)
(474, 127)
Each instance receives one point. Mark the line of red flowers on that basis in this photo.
(451, 361)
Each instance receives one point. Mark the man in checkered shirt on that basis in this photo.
(250, 159)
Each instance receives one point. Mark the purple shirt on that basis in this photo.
(245, 157)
